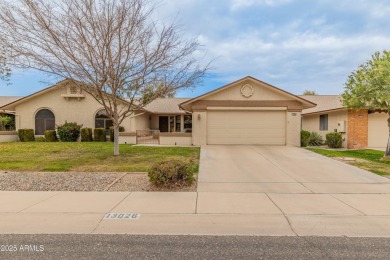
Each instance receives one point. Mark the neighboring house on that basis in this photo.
(247, 111)
(360, 129)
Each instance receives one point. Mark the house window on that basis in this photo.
(102, 120)
(44, 120)
(323, 122)
(178, 123)
(187, 124)
(172, 124)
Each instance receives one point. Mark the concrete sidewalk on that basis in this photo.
(202, 213)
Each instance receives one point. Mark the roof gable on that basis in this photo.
(248, 89)
(31, 96)
(59, 85)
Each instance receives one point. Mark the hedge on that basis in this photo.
(171, 173)
(51, 136)
(99, 135)
(305, 137)
(86, 135)
(40, 139)
(334, 140)
(26, 135)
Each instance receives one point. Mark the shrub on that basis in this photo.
(99, 135)
(171, 173)
(121, 129)
(26, 135)
(51, 136)
(305, 135)
(69, 132)
(315, 139)
(7, 123)
(334, 140)
(40, 139)
(86, 135)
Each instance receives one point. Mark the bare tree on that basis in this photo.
(5, 71)
(112, 49)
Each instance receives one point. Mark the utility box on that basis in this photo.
(341, 126)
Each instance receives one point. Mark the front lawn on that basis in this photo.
(370, 160)
(88, 157)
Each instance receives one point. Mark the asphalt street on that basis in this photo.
(190, 247)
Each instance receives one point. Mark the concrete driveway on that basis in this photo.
(281, 169)
(316, 195)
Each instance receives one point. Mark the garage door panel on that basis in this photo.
(378, 131)
(246, 127)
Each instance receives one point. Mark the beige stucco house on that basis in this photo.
(247, 111)
(360, 129)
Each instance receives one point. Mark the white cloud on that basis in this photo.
(374, 9)
(237, 4)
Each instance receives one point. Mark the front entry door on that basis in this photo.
(163, 123)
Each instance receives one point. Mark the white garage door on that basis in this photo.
(378, 131)
(246, 127)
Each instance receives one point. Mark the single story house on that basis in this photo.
(360, 129)
(247, 111)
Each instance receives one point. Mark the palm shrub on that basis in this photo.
(315, 139)
(121, 129)
(305, 136)
(69, 132)
(99, 134)
(51, 136)
(26, 135)
(171, 173)
(86, 135)
(6, 123)
(334, 140)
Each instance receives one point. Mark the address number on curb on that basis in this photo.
(130, 216)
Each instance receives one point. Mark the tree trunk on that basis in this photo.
(116, 139)
(387, 153)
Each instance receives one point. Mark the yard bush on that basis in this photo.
(51, 136)
(334, 140)
(305, 136)
(315, 139)
(171, 173)
(69, 132)
(7, 123)
(121, 129)
(26, 135)
(99, 135)
(86, 135)
(40, 139)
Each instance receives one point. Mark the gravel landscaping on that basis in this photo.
(80, 181)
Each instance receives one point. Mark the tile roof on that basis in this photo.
(166, 106)
(4, 100)
(324, 103)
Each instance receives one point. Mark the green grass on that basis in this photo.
(376, 163)
(88, 157)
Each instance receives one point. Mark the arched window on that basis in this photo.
(44, 120)
(102, 120)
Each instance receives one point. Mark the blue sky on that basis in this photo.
(292, 44)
